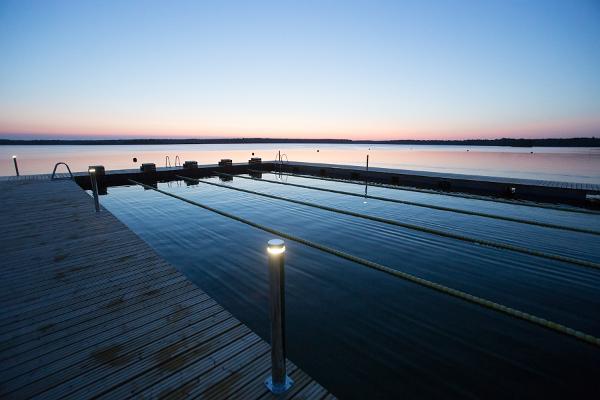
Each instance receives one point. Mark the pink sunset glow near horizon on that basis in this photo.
(554, 129)
(341, 70)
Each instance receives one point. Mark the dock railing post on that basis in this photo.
(366, 179)
(16, 166)
(92, 172)
(278, 382)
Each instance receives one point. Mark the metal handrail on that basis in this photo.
(167, 161)
(279, 160)
(177, 159)
(56, 166)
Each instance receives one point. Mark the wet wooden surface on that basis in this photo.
(88, 309)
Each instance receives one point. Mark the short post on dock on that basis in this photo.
(279, 381)
(94, 181)
(16, 165)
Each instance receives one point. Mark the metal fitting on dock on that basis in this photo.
(255, 160)
(100, 172)
(148, 167)
(190, 164)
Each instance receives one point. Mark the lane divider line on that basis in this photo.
(411, 189)
(437, 232)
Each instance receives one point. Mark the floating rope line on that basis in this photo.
(442, 208)
(411, 189)
(556, 327)
(489, 243)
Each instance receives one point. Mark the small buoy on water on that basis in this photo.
(317, 150)
(252, 153)
(134, 159)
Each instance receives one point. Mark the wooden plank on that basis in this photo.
(133, 359)
(248, 385)
(78, 349)
(144, 283)
(65, 277)
(46, 333)
(194, 383)
(312, 391)
(51, 295)
(172, 360)
(80, 369)
(48, 310)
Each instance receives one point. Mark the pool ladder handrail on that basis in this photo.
(168, 162)
(279, 158)
(52, 178)
(279, 161)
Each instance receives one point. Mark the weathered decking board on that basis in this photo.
(87, 309)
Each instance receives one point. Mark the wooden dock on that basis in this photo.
(542, 190)
(88, 309)
(526, 189)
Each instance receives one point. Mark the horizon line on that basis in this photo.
(295, 140)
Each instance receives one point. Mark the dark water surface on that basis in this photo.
(364, 334)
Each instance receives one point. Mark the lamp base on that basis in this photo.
(279, 388)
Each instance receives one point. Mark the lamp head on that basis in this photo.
(276, 246)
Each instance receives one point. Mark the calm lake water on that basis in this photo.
(365, 334)
(561, 164)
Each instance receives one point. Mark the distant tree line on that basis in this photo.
(567, 142)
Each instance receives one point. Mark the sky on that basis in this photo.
(300, 69)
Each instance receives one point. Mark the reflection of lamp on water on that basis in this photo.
(92, 172)
(278, 382)
(16, 166)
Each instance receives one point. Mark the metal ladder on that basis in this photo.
(54, 171)
(279, 161)
(168, 161)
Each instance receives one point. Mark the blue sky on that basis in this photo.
(347, 69)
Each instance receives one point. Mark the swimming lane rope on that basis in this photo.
(410, 189)
(590, 339)
(412, 203)
(483, 242)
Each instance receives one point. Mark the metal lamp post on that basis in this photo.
(16, 166)
(278, 382)
(92, 172)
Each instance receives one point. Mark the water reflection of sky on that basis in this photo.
(552, 163)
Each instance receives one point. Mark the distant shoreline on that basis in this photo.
(568, 142)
